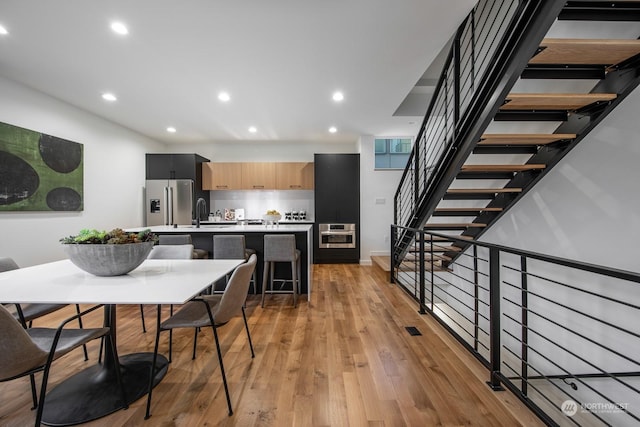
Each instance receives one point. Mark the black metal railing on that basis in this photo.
(472, 51)
(560, 334)
(487, 55)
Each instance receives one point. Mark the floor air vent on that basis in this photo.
(412, 330)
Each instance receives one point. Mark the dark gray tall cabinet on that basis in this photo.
(179, 166)
(337, 200)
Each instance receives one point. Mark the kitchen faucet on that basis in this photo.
(200, 203)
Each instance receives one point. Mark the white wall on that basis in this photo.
(377, 188)
(113, 175)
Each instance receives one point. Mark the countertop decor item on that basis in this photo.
(110, 253)
(272, 217)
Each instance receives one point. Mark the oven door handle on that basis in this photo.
(337, 233)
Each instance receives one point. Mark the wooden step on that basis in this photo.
(455, 225)
(411, 266)
(436, 248)
(428, 257)
(501, 168)
(585, 51)
(483, 190)
(553, 101)
(430, 238)
(439, 248)
(382, 261)
(523, 138)
(462, 210)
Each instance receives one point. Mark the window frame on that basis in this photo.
(388, 153)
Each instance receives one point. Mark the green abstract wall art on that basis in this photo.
(39, 172)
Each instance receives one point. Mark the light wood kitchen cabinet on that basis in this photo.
(259, 176)
(294, 176)
(221, 176)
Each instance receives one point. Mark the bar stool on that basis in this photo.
(232, 246)
(183, 239)
(281, 248)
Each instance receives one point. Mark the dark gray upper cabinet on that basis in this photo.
(337, 188)
(175, 166)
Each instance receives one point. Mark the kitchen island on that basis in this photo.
(254, 238)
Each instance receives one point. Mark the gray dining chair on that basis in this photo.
(164, 252)
(171, 252)
(28, 351)
(27, 313)
(182, 239)
(173, 248)
(210, 311)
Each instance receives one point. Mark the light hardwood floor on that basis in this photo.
(342, 359)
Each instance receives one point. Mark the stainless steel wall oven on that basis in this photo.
(336, 236)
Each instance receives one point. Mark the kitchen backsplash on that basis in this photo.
(257, 202)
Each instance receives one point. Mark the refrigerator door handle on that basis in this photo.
(166, 206)
(170, 206)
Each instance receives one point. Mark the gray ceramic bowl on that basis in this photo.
(108, 260)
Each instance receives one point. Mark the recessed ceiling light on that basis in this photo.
(224, 96)
(333, 129)
(171, 129)
(109, 97)
(119, 28)
(338, 96)
(253, 129)
(3, 30)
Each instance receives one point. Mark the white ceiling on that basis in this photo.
(280, 60)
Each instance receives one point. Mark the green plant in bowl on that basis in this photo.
(110, 253)
(117, 236)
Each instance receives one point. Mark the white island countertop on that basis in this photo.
(227, 228)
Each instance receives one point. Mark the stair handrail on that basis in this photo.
(514, 26)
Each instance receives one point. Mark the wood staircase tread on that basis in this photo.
(428, 257)
(586, 51)
(438, 248)
(553, 101)
(469, 209)
(428, 238)
(455, 224)
(524, 138)
(483, 190)
(382, 261)
(411, 266)
(501, 168)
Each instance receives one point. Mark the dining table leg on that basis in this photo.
(93, 392)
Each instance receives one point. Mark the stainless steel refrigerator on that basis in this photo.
(169, 201)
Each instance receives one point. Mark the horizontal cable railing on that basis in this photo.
(562, 335)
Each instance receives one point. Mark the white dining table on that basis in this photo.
(93, 393)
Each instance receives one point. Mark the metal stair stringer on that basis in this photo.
(528, 27)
